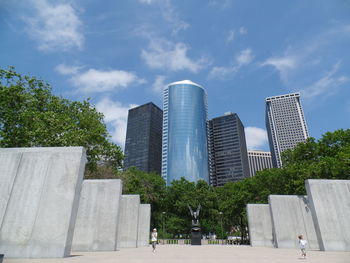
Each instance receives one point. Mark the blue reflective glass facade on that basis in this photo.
(185, 152)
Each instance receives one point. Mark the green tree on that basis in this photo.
(327, 158)
(31, 116)
(181, 194)
(178, 196)
(150, 187)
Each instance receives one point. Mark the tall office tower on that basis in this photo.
(285, 123)
(143, 144)
(259, 160)
(185, 152)
(227, 150)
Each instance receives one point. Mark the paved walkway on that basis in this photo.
(197, 254)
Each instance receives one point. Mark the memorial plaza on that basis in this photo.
(194, 254)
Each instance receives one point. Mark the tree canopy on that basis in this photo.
(224, 208)
(31, 116)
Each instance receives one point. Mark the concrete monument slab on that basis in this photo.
(144, 225)
(9, 162)
(97, 219)
(260, 225)
(291, 216)
(128, 221)
(330, 207)
(42, 202)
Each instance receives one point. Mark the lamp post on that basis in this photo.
(163, 224)
(222, 231)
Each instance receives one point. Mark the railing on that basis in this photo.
(204, 242)
(214, 242)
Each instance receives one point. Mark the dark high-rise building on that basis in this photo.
(143, 144)
(258, 160)
(285, 124)
(228, 150)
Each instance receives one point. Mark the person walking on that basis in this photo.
(302, 243)
(154, 236)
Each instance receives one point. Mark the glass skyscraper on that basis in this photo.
(285, 124)
(227, 150)
(184, 151)
(143, 144)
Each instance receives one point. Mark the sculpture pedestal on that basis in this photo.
(196, 237)
(196, 233)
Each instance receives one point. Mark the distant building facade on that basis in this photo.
(285, 123)
(185, 151)
(143, 144)
(259, 160)
(228, 150)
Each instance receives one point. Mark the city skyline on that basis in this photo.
(229, 160)
(122, 54)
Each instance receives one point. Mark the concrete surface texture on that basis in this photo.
(198, 254)
(41, 187)
(260, 225)
(97, 219)
(9, 162)
(330, 207)
(128, 221)
(144, 224)
(291, 216)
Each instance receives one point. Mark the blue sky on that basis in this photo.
(122, 53)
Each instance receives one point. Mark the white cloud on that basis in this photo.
(222, 4)
(294, 69)
(244, 57)
(169, 14)
(148, 2)
(304, 61)
(326, 85)
(256, 138)
(116, 115)
(242, 30)
(55, 26)
(284, 65)
(230, 37)
(162, 54)
(159, 84)
(222, 72)
(67, 70)
(93, 80)
(231, 34)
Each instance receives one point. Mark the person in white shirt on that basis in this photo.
(302, 243)
(154, 236)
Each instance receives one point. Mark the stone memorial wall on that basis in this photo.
(39, 190)
(128, 221)
(97, 220)
(260, 225)
(291, 217)
(144, 224)
(330, 207)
